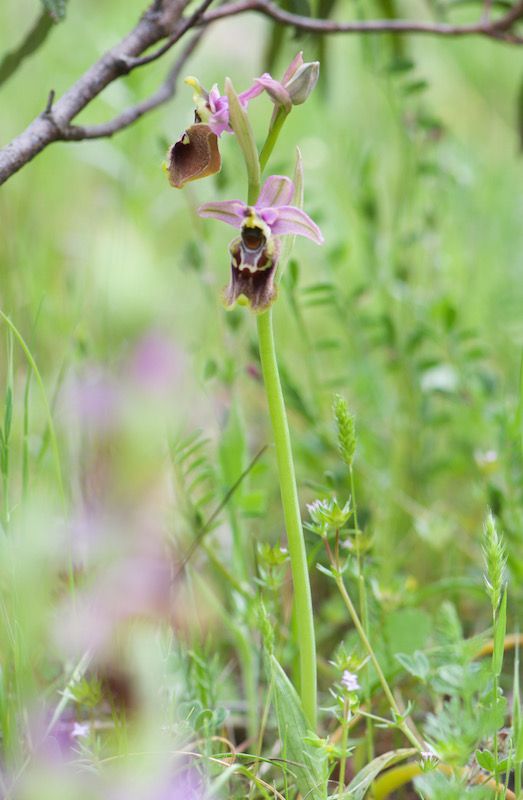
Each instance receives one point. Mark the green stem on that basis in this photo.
(343, 746)
(272, 136)
(495, 703)
(291, 511)
(404, 728)
(25, 451)
(222, 569)
(362, 596)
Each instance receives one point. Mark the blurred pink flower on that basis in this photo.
(186, 784)
(136, 587)
(92, 400)
(156, 363)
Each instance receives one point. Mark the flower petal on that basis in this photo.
(219, 118)
(293, 67)
(276, 90)
(230, 211)
(295, 221)
(252, 280)
(194, 156)
(303, 82)
(249, 94)
(276, 191)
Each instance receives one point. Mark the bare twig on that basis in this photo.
(157, 23)
(50, 100)
(510, 18)
(495, 29)
(187, 24)
(165, 92)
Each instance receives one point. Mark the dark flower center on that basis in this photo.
(253, 238)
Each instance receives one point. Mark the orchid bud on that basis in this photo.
(194, 156)
(299, 80)
(303, 82)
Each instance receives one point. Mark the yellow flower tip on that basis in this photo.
(165, 167)
(198, 90)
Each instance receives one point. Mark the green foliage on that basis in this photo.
(416, 664)
(360, 785)
(436, 786)
(196, 480)
(301, 749)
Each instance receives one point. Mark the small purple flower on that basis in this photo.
(212, 108)
(272, 210)
(349, 681)
(254, 254)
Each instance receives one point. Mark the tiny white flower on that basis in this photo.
(80, 729)
(350, 681)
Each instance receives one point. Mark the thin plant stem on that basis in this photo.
(343, 746)
(291, 511)
(362, 596)
(223, 570)
(516, 724)
(50, 424)
(403, 727)
(8, 412)
(261, 733)
(495, 703)
(272, 136)
(25, 451)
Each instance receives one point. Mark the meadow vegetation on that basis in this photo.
(148, 644)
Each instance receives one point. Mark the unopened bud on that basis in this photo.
(303, 82)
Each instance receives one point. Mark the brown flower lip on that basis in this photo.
(195, 155)
(253, 267)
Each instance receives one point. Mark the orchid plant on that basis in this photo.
(271, 213)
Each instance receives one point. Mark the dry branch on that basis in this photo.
(499, 29)
(158, 22)
(164, 20)
(164, 93)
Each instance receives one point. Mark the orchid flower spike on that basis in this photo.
(254, 254)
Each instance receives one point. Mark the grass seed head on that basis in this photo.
(495, 560)
(346, 430)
